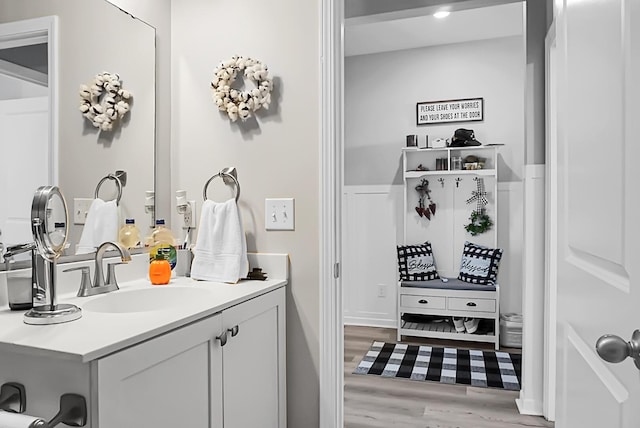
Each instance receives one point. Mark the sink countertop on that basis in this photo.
(97, 334)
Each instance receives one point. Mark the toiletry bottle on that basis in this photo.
(129, 235)
(163, 243)
(159, 269)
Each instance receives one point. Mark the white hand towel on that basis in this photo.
(220, 253)
(100, 226)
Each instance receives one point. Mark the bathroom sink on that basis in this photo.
(144, 300)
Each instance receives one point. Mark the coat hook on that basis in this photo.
(441, 180)
(458, 180)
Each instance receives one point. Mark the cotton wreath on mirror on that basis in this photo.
(237, 103)
(104, 101)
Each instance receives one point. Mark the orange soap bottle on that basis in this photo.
(159, 270)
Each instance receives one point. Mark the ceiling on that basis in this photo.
(417, 27)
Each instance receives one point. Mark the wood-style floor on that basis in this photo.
(376, 402)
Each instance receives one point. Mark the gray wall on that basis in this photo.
(276, 155)
(381, 92)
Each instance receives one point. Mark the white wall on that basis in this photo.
(381, 92)
(276, 155)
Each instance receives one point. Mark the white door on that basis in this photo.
(25, 141)
(598, 202)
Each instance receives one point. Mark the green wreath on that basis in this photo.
(480, 223)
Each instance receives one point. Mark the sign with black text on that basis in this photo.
(465, 110)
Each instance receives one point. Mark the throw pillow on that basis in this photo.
(479, 264)
(416, 263)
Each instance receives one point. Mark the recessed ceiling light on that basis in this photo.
(441, 14)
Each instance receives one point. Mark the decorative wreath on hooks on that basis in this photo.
(104, 101)
(241, 104)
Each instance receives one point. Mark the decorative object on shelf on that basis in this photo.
(412, 141)
(416, 262)
(236, 103)
(439, 143)
(479, 264)
(423, 190)
(462, 110)
(104, 101)
(480, 221)
(464, 138)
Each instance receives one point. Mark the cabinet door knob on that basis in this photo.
(222, 338)
(471, 304)
(234, 330)
(424, 302)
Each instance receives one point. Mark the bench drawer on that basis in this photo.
(472, 305)
(422, 302)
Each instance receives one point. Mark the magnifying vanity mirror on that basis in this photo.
(47, 50)
(49, 225)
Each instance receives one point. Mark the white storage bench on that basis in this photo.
(453, 298)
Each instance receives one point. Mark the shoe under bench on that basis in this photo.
(453, 298)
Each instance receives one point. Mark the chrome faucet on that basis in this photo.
(125, 257)
(100, 284)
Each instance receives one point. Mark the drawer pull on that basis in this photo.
(424, 302)
(471, 304)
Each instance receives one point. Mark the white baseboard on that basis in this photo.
(529, 407)
(370, 322)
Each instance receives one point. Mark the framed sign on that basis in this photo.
(464, 110)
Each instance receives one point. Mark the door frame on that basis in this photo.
(30, 31)
(551, 226)
(331, 376)
(331, 364)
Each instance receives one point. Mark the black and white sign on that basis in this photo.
(465, 110)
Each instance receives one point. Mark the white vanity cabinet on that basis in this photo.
(191, 377)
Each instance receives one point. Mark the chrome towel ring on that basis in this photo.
(228, 175)
(118, 185)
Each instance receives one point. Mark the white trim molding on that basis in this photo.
(331, 322)
(531, 394)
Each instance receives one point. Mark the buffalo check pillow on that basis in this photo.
(479, 264)
(416, 263)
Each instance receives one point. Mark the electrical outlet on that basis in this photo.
(189, 217)
(81, 209)
(382, 290)
(279, 214)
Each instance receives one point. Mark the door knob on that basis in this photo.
(614, 349)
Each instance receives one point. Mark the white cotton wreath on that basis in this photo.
(241, 104)
(104, 101)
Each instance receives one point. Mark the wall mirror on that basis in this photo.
(47, 50)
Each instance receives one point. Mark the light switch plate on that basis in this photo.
(279, 214)
(81, 209)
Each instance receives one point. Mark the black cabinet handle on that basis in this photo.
(234, 330)
(424, 302)
(222, 338)
(471, 304)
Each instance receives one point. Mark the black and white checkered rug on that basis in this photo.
(446, 365)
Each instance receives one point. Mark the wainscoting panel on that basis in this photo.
(372, 227)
